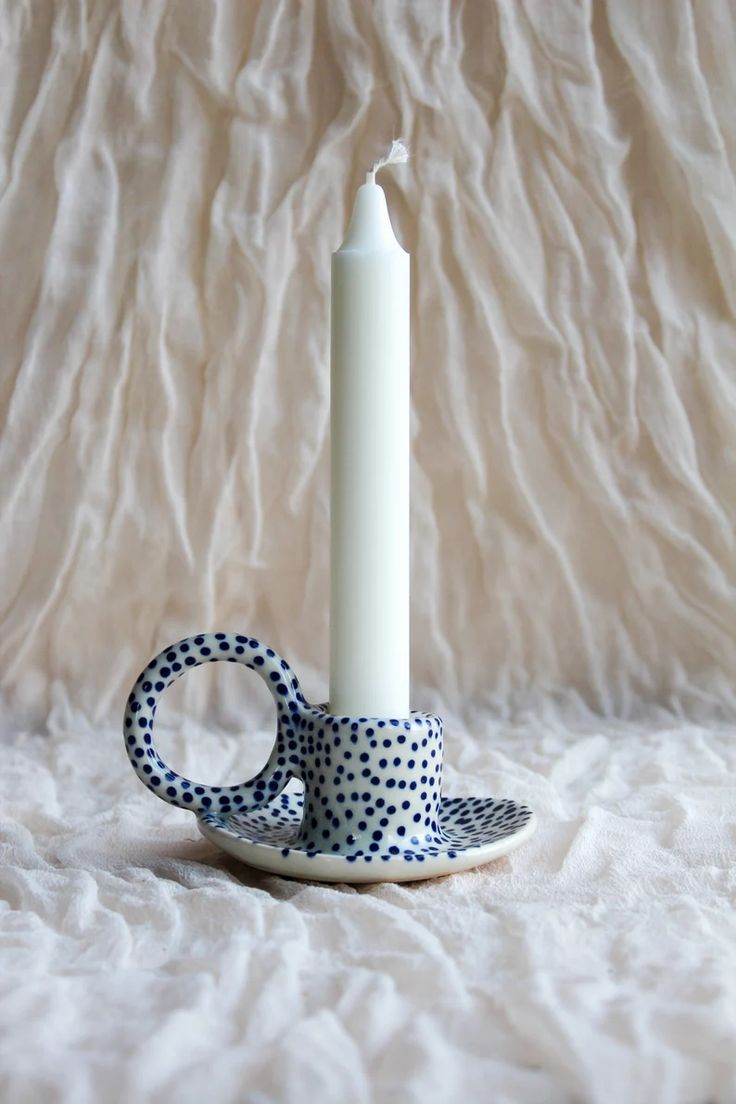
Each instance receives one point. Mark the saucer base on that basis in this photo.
(474, 831)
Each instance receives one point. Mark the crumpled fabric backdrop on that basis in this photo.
(173, 179)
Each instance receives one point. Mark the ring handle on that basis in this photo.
(166, 668)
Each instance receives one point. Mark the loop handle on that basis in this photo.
(166, 668)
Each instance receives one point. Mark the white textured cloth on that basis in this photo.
(596, 964)
(173, 179)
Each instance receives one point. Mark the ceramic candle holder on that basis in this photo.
(364, 799)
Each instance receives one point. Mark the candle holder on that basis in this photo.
(369, 807)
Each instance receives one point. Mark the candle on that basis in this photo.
(369, 420)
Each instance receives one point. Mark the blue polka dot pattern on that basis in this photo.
(164, 670)
(372, 786)
(465, 823)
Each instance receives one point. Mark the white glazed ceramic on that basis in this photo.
(371, 808)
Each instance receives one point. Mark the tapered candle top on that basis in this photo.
(370, 229)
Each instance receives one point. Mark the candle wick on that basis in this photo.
(397, 155)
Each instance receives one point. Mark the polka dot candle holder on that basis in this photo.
(341, 799)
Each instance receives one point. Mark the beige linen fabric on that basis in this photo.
(173, 179)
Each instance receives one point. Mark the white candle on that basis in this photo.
(369, 614)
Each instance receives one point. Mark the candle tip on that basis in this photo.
(397, 155)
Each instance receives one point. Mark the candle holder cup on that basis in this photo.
(340, 799)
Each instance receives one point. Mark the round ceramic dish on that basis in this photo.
(474, 830)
